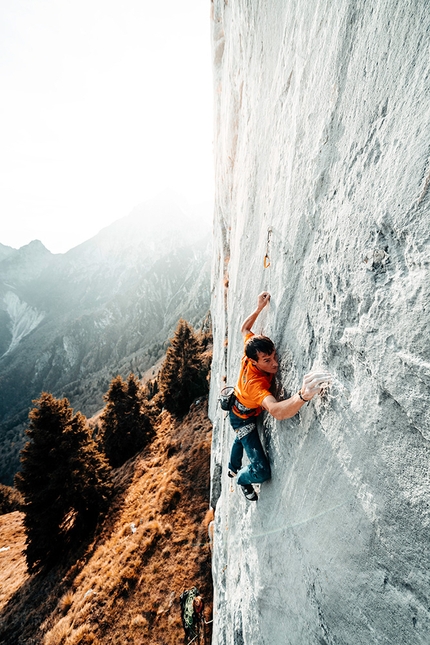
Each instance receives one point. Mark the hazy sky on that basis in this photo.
(102, 104)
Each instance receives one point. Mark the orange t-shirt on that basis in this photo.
(252, 386)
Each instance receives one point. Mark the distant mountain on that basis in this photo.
(69, 323)
(5, 251)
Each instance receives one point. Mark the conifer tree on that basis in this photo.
(10, 499)
(183, 376)
(125, 424)
(64, 480)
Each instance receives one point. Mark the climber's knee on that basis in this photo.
(261, 473)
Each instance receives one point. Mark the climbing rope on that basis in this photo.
(263, 318)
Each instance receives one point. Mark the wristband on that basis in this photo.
(300, 395)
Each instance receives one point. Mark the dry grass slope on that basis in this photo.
(125, 587)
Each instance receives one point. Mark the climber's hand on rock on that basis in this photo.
(315, 383)
(263, 299)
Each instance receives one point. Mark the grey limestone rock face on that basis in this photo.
(323, 177)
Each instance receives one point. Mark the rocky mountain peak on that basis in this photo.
(24, 264)
(6, 251)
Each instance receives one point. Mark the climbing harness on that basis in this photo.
(266, 262)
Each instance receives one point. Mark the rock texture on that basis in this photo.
(323, 177)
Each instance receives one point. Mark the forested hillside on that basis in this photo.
(115, 512)
(70, 323)
(124, 586)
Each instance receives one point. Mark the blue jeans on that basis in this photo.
(258, 469)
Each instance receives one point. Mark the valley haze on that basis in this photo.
(71, 322)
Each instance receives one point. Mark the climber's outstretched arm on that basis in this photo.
(262, 301)
(312, 384)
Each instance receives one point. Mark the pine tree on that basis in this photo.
(125, 424)
(183, 376)
(64, 480)
(10, 499)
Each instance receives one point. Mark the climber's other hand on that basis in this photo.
(315, 383)
(263, 299)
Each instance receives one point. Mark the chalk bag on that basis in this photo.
(227, 398)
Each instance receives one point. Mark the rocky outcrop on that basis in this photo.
(23, 318)
(323, 176)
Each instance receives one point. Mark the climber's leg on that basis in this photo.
(258, 470)
(235, 463)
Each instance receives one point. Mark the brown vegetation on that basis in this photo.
(125, 586)
(10, 499)
(13, 569)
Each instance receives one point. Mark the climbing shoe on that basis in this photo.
(249, 492)
(231, 473)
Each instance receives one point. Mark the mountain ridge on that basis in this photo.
(70, 322)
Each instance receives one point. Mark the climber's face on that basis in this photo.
(267, 362)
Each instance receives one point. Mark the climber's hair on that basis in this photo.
(258, 344)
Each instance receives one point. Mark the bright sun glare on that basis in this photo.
(104, 104)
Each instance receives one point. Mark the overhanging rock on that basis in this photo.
(323, 192)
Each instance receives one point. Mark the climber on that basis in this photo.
(192, 614)
(253, 394)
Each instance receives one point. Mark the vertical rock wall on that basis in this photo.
(323, 171)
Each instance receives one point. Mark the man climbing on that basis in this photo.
(252, 394)
(193, 618)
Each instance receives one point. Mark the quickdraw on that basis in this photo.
(266, 262)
